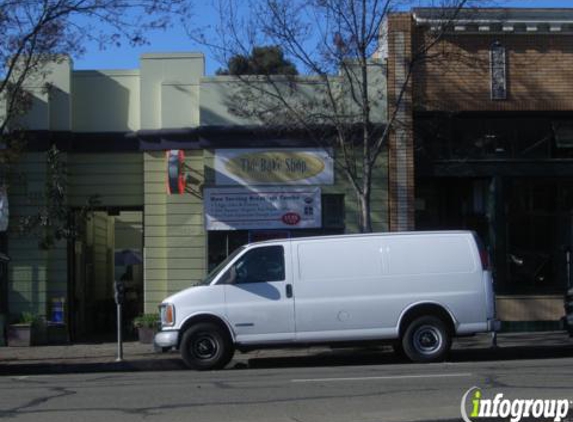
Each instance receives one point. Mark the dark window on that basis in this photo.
(260, 265)
(333, 211)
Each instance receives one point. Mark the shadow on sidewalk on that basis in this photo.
(167, 364)
(349, 357)
(282, 359)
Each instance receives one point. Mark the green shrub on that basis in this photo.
(146, 321)
(29, 318)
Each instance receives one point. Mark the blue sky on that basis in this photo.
(176, 40)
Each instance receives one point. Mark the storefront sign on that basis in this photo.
(263, 208)
(4, 215)
(274, 167)
(175, 171)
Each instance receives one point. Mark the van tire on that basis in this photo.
(398, 350)
(205, 346)
(426, 339)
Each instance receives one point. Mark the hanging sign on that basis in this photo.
(274, 167)
(4, 214)
(262, 208)
(175, 171)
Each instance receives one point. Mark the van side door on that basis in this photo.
(258, 295)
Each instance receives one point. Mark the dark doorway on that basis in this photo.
(109, 247)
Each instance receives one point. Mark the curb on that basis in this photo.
(70, 360)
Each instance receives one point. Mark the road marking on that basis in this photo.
(387, 377)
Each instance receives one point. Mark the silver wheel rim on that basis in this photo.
(427, 339)
(205, 347)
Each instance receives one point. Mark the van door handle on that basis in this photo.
(289, 290)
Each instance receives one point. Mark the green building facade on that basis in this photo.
(156, 146)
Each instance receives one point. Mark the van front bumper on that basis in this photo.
(165, 339)
(493, 325)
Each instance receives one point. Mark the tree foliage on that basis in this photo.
(37, 33)
(265, 60)
(54, 220)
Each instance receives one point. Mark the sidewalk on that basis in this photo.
(141, 357)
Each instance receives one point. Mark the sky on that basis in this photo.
(176, 40)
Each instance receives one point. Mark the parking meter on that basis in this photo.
(119, 292)
(119, 296)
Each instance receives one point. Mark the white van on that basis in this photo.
(416, 290)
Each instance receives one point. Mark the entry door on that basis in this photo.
(258, 295)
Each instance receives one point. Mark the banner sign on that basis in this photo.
(4, 214)
(274, 167)
(263, 208)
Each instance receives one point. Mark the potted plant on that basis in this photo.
(146, 325)
(20, 333)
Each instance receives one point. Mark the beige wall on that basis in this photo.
(34, 275)
(105, 101)
(116, 179)
(51, 97)
(229, 100)
(175, 239)
(169, 89)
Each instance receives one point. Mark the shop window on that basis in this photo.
(333, 213)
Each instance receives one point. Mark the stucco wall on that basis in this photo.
(106, 101)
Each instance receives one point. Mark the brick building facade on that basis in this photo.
(489, 120)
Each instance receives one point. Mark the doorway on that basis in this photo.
(109, 247)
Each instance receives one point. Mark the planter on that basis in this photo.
(57, 333)
(146, 334)
(19, 335)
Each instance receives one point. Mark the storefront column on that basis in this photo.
(498, 230)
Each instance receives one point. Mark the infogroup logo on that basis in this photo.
(475, 406)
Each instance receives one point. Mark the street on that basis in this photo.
(340, 389)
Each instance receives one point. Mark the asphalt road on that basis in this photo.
(381, 391)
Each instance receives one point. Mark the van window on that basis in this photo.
(258, 266)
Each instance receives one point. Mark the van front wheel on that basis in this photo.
(426, 339)
(205, 346)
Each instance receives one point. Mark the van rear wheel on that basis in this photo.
(205, 346)
(426, 339)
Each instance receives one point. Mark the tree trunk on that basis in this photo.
(364, 220)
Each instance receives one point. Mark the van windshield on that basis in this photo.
(213, 274)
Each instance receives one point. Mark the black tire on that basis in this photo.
(426, 339)
(205, 346)
(398, 350)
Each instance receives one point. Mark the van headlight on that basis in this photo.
(167, 314)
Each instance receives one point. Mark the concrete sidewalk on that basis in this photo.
(141, 357)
